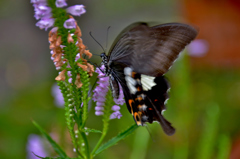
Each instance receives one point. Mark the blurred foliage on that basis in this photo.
(199, 108)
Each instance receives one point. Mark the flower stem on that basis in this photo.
(86, 145)
(80, 155)
(85, 99)
(99, 143)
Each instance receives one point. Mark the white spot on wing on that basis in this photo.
(130, 80)
(143, 107)
(127, 71)
(147, 82)
(165, 102)
(142, 95)
(144, 118)
(131, 83)
(162, 112)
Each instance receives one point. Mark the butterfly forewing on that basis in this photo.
(152, 50)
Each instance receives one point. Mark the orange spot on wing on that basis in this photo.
(133, 74)
(137, 117)
(139, 98)
(130, 101)
(139, 88)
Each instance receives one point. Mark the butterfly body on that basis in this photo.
(137, 61)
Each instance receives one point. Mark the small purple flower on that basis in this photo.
(98, 113)
(198, 48)
(69, 24)
(54, 30)
(60, 3)
(115, 115)
(38, 1)
(42, 10)
(77, 57)
(69, 75)
(56, 93)
(35, 145)
(45, 23)
(76, 10)
(115, 108)
(120, 99)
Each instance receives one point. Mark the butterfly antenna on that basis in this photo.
(97, 42)
(107, 37)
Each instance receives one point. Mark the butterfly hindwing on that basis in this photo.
(146, 105)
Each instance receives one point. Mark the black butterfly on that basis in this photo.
(138, 59)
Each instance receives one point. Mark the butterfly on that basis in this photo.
(138, 60)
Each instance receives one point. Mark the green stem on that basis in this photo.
(80, 155)
(86, 145)
(99, 143)
(85, 99)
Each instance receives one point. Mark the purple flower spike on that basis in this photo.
(69, 24)
(100, 91)
(45, 23)
(76, 10)
(60, 3)
(115, 115)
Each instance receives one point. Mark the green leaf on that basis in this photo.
(117, 138)
(55, 146)
(91, 130)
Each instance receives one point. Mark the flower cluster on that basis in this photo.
(43, 12)
(58, 58)
(68, 55)
(100, 93)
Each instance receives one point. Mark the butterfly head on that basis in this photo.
(103, 55)
(104, 58)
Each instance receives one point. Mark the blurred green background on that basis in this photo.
(204, 104)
